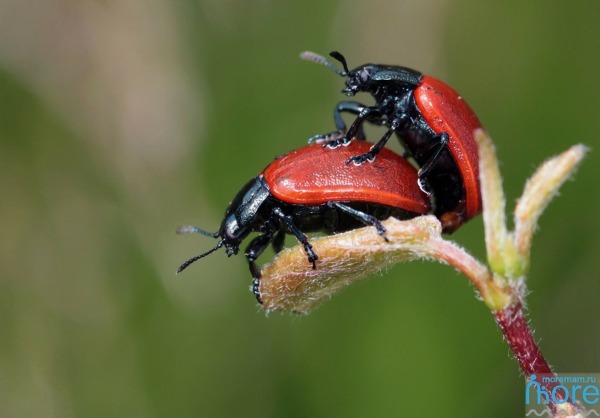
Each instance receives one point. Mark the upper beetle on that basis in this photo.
(311, 189)
(433, 122)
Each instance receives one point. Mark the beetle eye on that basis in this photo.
(232, 232)
(364, 75)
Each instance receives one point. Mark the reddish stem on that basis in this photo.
(520, 339)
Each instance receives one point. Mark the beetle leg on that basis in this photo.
(440, 144)
(289, 223)
(354, 108)
(363, 113)
(326, 137)
(375, 149)
(356, 129)
(361, 216)
(343, 137)
(278, 241)
(339, 124)
(253, 251)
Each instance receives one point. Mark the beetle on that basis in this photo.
(311, 189)
(434, 124)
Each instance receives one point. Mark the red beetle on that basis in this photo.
(433, 122)
(311, 189)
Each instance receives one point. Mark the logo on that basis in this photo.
(582, 390)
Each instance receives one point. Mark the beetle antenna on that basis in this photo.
(319, 59)
(198, 257)
(338, 56)
(189, 229)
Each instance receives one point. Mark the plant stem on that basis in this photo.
(519, 337)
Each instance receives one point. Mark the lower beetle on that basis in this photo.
(310, 189)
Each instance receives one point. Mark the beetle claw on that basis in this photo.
(362, 158)
(381, 231)
(312, 258)
(334, 143)
(424, 186)
(327, 138)
(256, 289)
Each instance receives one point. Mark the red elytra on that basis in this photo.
(445, 111)
(390, 180)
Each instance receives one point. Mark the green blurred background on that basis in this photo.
(120, 120)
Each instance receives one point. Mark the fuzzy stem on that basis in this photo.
(519, 337)
(493, 294)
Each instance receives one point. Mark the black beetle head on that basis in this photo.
(239, 221)
(358, 80)
(232, 233)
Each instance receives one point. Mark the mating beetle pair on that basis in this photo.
(316, 189)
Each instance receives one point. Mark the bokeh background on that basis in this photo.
(120, 120)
